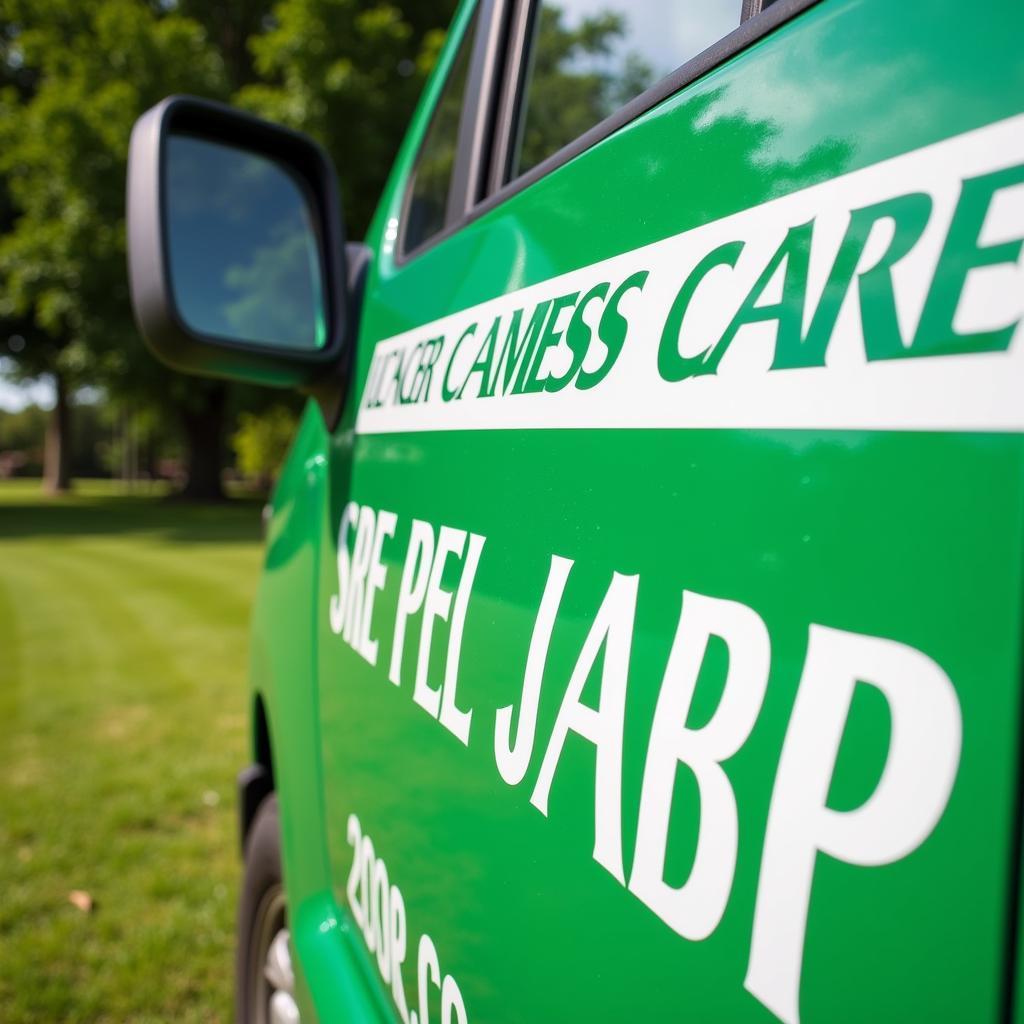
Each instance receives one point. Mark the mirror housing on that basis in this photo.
(157, 311)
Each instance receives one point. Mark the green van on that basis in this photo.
(640, 630)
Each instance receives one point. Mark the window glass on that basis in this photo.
(431, 176)
(590, 57)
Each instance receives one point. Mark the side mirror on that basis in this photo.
(236, 256)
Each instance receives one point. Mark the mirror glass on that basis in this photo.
(242, 244)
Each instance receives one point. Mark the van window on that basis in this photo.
(431, 177)
(590, 57)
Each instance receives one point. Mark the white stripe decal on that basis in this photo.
(423, 379)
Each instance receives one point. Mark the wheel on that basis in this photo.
(264, 980)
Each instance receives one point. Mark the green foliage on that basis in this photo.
(22, 436)
(23, 430)
(80, 72)
(96, 444)
(74, 76)
(349, 73)
(261, 441)
(128, 440)
(63, 152)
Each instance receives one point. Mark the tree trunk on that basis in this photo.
(57, 451)
(151, 459)
(204, 441)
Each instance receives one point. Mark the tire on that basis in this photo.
(264, 981)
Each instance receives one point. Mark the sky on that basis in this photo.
(665, 34)
(14, 397)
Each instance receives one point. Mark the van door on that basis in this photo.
(671, 594)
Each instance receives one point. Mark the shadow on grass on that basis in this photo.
(34, 516)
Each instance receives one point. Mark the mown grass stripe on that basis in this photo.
(123, 651)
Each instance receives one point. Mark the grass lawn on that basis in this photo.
(123, 658)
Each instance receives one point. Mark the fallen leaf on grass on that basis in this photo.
(81, 899)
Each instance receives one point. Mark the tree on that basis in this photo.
(36, 353)
(261, 443)
(18, 83)
(74, 76)
(21, 440)
(349, 73)
(86, 69)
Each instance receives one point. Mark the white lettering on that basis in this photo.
(613, 630)
(695, 908)
(899, 815)
(336, 609)
(454, 719)
(412, 590)
(513, 759)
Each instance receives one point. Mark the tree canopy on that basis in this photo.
(74, 76)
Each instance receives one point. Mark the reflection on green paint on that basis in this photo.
(915, 537)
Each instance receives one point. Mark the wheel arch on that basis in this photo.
(256, 781)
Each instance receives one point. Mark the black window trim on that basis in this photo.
(472, 149)
(486, 72)
(508, 123)
(504, 91)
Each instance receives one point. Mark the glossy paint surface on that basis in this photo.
(911, 536)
